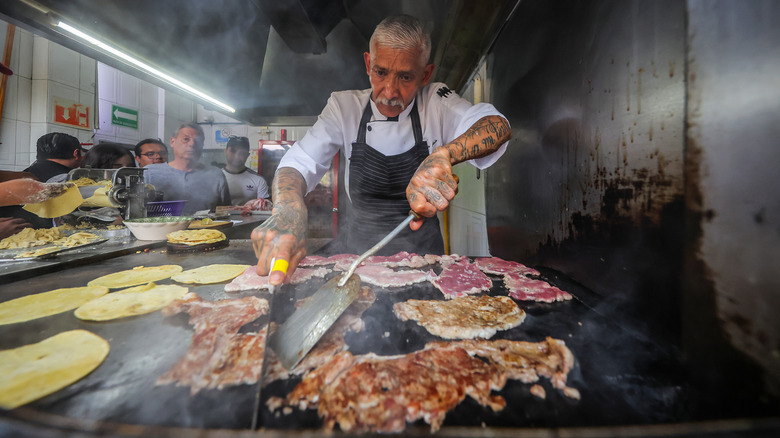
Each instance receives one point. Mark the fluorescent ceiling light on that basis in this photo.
(143, 66)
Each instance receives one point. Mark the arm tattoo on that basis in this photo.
(481, 139)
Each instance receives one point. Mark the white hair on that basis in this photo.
(402, 32)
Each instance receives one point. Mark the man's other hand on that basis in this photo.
(432, 187)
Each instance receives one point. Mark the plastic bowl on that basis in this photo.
(155, 228)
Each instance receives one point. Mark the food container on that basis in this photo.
(165, 208)
(155, 228)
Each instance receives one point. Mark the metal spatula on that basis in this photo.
(293, 339)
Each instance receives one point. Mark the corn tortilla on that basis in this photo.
(209, 274)
(47, 303)
(195, 237)
(33, 371)
(136, 276)
(136, 300)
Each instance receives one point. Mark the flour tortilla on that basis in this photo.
(136, 276)
(129, 302)
(33, 371)
(209, 274)
(47, 303)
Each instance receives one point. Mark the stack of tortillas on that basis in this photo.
(196, 240)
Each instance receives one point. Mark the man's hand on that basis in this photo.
(10, 226)
(432, 186)
(283, 235)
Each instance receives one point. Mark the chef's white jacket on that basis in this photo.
(443, 114)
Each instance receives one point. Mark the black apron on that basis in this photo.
(377, 189)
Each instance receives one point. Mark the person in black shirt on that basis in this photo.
(57, 153)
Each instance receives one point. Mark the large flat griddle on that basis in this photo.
(623, 376)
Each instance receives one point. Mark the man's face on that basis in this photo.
(396, 75)
(187, 145)
(236, 157)
(152, 153)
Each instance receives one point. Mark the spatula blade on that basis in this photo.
(293, 339)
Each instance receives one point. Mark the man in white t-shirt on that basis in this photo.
(401, 138)
(244, 183)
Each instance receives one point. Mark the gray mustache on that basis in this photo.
(390, 102)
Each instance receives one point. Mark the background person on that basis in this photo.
(56, 153)
(244, 183)
(185, 178)
(150, 151)
(401, 138)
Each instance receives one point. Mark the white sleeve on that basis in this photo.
(262, 188)
(312, 155)
(458, 115)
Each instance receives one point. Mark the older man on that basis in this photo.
(401, 138)
(185, 178)
(150, 151)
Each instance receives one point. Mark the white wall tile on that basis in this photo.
(24, 98)
(130, 133)
(53, 127)
(106, 81)
(85, 136)
(88, 99)
(40, 68)
(7, 142)
(86, 73)
(126, 140)
(10, 105)
(148, 97)
(147, 124)
(25, 54)
(64, 65)
(38, 101)
(127, 90)
(37, 130)
(23, 143)
(105, 127)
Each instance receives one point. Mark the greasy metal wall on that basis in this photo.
(642, 166)
(732, 287)
(592, 182)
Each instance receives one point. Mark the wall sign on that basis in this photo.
(122, 116)
(68, 112)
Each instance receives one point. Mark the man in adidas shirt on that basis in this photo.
(244, 183)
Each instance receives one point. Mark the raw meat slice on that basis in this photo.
(523, 288)
(248, 280)
(460, 278)
(314, 260)
(498, 266)
(402, 259)
(302, 275)
(383, 276)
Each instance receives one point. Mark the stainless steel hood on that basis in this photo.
(275, 61)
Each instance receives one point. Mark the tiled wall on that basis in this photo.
(15, 123)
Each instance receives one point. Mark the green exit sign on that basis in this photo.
(122, 116)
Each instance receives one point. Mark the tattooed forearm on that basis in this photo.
(483, 138)
(290, 214)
